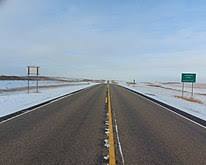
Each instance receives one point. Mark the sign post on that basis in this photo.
(33, 70)
(188, 78)
(37, 80)
(183, 85)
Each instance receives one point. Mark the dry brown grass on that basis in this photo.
(190, 99)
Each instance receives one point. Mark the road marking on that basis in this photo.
(29, 111)
(167, 109)
(118, 140)
(112, 156)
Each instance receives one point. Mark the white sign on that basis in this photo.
(33, 70)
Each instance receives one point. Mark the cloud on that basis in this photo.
(101, 40)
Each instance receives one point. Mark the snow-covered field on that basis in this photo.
(198, 87)
(10, 103)
(10, 84)
(169, 93)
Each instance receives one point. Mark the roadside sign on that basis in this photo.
(33, 71)
(189, 77)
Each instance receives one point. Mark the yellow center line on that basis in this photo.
(112, 156)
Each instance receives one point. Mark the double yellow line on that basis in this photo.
(112, 156)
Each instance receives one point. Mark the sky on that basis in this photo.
(145, 40)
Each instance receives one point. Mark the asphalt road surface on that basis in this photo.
(71, 131)
(150, 134)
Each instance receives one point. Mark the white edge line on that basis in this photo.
(118, 140)
(167, 108)
(61, 97)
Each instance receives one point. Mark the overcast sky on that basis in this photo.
(146, 40)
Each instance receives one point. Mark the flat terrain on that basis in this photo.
(71, 131)
(171, 93)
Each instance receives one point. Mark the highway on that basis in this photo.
(72, 131)
(150, 134)
(69, 131)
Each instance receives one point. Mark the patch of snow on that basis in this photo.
(9, 84)
(18, 101)
(168, 96)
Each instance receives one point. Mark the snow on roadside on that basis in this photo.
(10, 84)
(16, 102)
(168, 96)
(198, 88)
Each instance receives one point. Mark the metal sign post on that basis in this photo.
(28, 77)
(37, 80)
(183, 85)
(188, 78)
(33, 70)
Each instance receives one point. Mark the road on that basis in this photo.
(150, 134)
(71, 131)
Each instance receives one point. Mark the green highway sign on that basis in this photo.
(189, 77)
